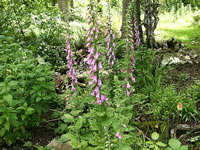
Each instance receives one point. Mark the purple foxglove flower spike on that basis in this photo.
(93, 59)
(70, 65)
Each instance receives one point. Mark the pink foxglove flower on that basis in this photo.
(94, 58)
(70, 65)
(118, 135)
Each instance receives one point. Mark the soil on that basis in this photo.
(41, 135)
(191, 73)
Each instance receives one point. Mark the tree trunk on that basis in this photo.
(150, 21)
(72, 3)
(124, 12)
(138, 19)
(63, 5)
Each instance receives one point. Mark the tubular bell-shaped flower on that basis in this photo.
(137, 34)
(93, 57)
(110, 36)
(71, 62)
(130, 45)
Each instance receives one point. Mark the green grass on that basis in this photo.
(179, 26)
(188, 35)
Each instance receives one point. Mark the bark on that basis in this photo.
(72, 3)
(150, 21)
(124, 12)
(138, 19)
(64, 5)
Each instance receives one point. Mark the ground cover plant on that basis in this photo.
(99, 75)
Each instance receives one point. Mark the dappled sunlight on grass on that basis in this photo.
(179, 26)
(189, 35)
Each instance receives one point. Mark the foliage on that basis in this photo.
(155, 144)
(43, 26)
(103, 122)
(196, 18)
(165, 103)
(180, 26)
(175, 144)
(26, 88)
(169, 5)
(148, 71)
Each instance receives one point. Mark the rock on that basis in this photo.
(194, 56)
(60, 81)
(171, 60)
(186, 127)
(82, 76)
(187, 57)
(56, 145)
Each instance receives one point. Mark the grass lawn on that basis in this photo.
(179, 28)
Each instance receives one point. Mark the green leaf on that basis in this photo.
(2, 132)
(13, 83)
(84, 144)
(155, 136)
(174, 143)
(161, 144)
(28, 144)
(38, 99)
(1, 120)
(79, 123)
(7, 125)
(63, 138)
(29, 111)
(40, 60)
(67, 118)
(8, 98)
(168, 148)
(183, 148)
(149, 142)
(41, 79)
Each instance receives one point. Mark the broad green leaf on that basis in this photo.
(29, 111)
(40, 60)
(2, 108)
(28, 144)
(168, 148)
(1, 120)
(149, 142)
(8, 98)
(155, 136)
(67, 118)
(161, 144)
(152, 146)
(84, 144)
(13, 83)
(2, 132)
(79, 123)
(63, 138)
(7, 126)
(174, 143)
(183, 148)
(41, 79)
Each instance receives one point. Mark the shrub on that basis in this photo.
(26, 89)
(165, 103)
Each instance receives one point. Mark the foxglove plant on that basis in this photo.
(93, 57)
(71, 62)
(111, 45)
(137, 34)
(130, 44)
(110, 36)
